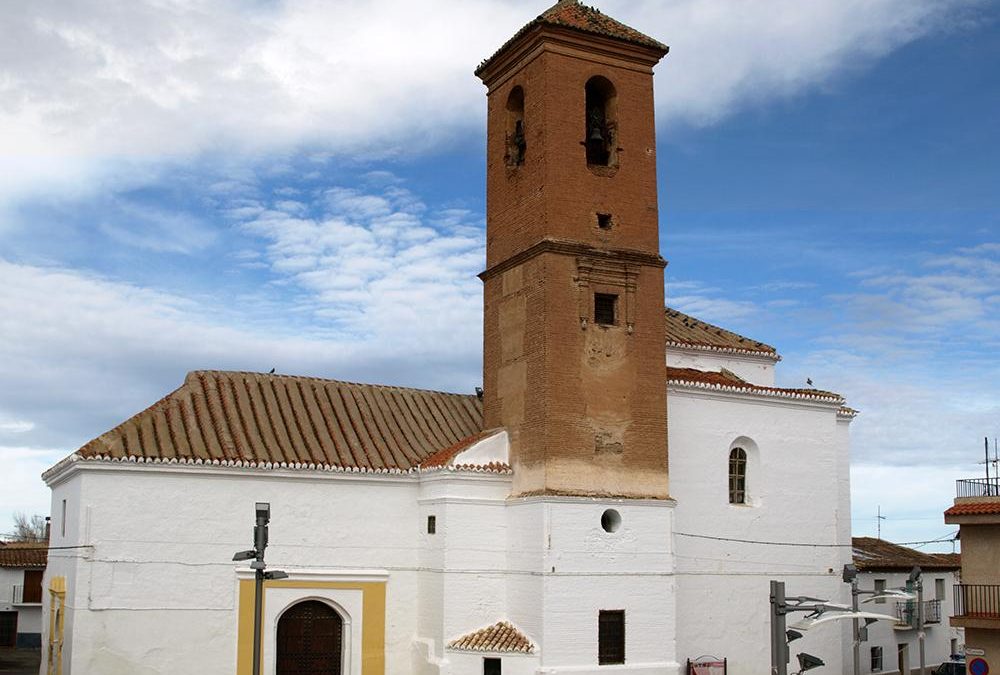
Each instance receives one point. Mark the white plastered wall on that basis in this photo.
(157, 571)
(796, 488)
(756, 369)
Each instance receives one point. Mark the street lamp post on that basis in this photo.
(851, 576)
(256, 554)
(917, 579)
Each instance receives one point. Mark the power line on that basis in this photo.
(803, 544)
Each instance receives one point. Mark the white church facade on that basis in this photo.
(615, 500)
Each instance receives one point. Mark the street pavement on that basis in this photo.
(20, 661)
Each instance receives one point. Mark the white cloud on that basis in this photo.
(85, 85)
(23, 490)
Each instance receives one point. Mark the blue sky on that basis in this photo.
(189, 185)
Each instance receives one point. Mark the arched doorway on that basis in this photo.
(310, 640)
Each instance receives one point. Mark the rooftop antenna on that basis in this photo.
(878, 520)
(988, 488)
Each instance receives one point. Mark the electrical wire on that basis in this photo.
(805, 544)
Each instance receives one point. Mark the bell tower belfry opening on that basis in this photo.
(574, 344)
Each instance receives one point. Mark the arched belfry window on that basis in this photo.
(601, 122)
(737, 476)
(517, 143)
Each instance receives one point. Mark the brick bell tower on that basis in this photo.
(574, 343)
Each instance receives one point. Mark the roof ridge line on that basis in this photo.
(314, 378)
(748, 388)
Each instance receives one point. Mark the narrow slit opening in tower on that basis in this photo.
(517, 144)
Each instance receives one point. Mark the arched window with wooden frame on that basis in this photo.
(737, 476)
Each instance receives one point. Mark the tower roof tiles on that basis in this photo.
(576, 16)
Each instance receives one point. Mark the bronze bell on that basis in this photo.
(596, 134)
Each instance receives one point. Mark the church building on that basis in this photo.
(615, 499)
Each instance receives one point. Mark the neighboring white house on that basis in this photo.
(893, 648)
(21, 568)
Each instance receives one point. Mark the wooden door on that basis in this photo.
(8, 629)
(310, 640)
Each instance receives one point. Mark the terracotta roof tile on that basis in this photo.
(500, 637)
(951, 559)
(877, 554)
(686, 330)
(445, 455)
(974, 509)
(21, 554)
(730, 381)
(571, 14)
(253, 418)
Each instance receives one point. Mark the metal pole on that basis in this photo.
(779, 648)
(920, 624)
(258, 605)
(263, 512)
(857, 627)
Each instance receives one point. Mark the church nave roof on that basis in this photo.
(257, 418)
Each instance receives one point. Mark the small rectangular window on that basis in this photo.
(62, 521)
(604, 309)
(879, 590)
(876, 659)
(611, 636)
(604, 221)
(491, 666)
(431, 524)
(939, 589)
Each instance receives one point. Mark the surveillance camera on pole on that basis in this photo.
(262, 511)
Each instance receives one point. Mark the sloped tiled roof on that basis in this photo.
(254, 418)
(500, 637)
(877, 554)
(729, 381)
(685, 330)
(952, 559)
(974, 509)
(571, 14)
(442, 458)
(24, 554)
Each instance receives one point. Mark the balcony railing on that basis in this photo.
(978, 487)
(906, 612)
(32, 596)
(977, 601)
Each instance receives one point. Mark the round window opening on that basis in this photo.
(611, 520)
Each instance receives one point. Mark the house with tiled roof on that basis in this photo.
(894, 647)
(21, 568)
(614, 498)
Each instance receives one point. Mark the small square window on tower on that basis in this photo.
(604, 308)
(604, 221)
(491, 666)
